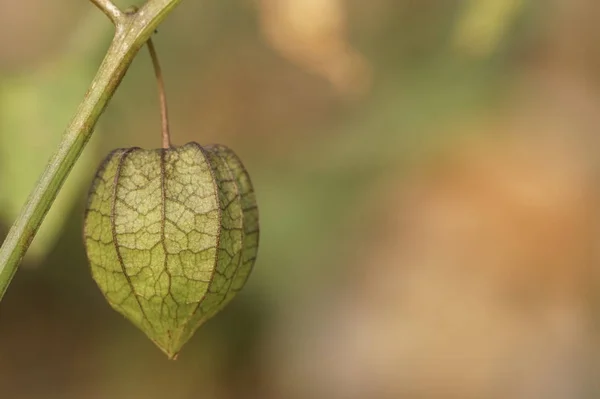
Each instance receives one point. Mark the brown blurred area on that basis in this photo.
(428, 180)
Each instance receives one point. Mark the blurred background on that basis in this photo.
(428, 177)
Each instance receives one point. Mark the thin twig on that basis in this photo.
(113, 12)
(166, 136)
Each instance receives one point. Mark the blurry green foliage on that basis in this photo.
(484, 23)
(35, 108)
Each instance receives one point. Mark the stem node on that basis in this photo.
(113, 12)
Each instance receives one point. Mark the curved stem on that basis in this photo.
(164, 115)
(111, 10)
(131, 34)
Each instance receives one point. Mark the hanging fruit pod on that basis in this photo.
(171, 235)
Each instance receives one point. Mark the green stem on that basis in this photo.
(110, 10)
(132, 32)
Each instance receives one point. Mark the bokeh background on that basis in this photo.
(427, 173)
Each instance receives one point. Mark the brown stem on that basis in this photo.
(166, 136)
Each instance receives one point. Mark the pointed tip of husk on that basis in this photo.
(171, 354)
